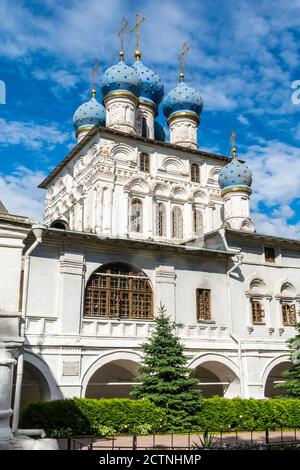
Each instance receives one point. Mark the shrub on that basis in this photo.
(224, 414)
(103, 417)
(87, 416)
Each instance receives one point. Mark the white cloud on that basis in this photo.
(243, 120)
(63, 78)
(31, 135)
(20, 195)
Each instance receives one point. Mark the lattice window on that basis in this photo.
(203, 304)
(160, 220)
(119, 292)
(197, 222)
(289, 314)
(136, 217)
(195, 173)
(144, 163)
(177, 223)
(258, 314)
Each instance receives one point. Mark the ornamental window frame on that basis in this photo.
(288, 304)
(258, 308)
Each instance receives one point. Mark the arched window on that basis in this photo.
(160, 219)
(177, 223)
(118, 291)
(258, 294)
(60, 224)
(195, 173)
(197, 222)
(144, 163)
(136, 217)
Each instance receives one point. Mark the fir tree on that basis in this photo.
(292, 375)
(165, 378)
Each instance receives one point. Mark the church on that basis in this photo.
(133, 222)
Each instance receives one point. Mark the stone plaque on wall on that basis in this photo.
(71, 368)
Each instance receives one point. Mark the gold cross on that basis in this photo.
(232, 143)
(181, 59)
(136, 28)
(94, 73)
(121, 33)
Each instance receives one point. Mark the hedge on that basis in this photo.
(224, 414)
(85, 416)
(88, 416)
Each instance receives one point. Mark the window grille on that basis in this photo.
(257, 312)
(136, 217)
(177, 223)
(203, 304)
(195, 173)
(119, 292)
(197, 222)
(160, 220)
(144, 162)
(289, 314)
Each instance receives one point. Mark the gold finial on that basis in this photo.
(136, 28)
(181, 59)
(94, 78)
(121, 36)
(232, 143)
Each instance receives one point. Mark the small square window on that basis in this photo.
(269, 254)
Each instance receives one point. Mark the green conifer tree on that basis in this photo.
(165, 378)
(292, 375)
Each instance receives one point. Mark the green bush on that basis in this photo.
(87, 416)
(224, 414)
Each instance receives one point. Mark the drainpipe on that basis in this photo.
(235, 339)
(38, 233)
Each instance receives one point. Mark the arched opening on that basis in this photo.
(60, 224)
(119, 291)
(275, 377)
(34, 385)
(160, 219)
(216, 378)
(136, 216)
(115, 379)
(177, 222)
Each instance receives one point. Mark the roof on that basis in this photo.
(110, 132)
(255, 235)
(3, 209)
(133, 243)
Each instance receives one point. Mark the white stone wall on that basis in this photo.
(93, 192)
(73, 346)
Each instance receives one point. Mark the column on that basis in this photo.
(166, 289)
(98, 209)
(71, 292)
(6, 374)
(126, 213)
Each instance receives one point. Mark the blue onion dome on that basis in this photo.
(121, 77)
(152, 87)
(182, 98)
(159, 132)
(90, 114)
(235, 175)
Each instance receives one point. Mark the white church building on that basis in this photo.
(132, 222)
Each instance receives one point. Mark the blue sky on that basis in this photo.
(244, 58)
